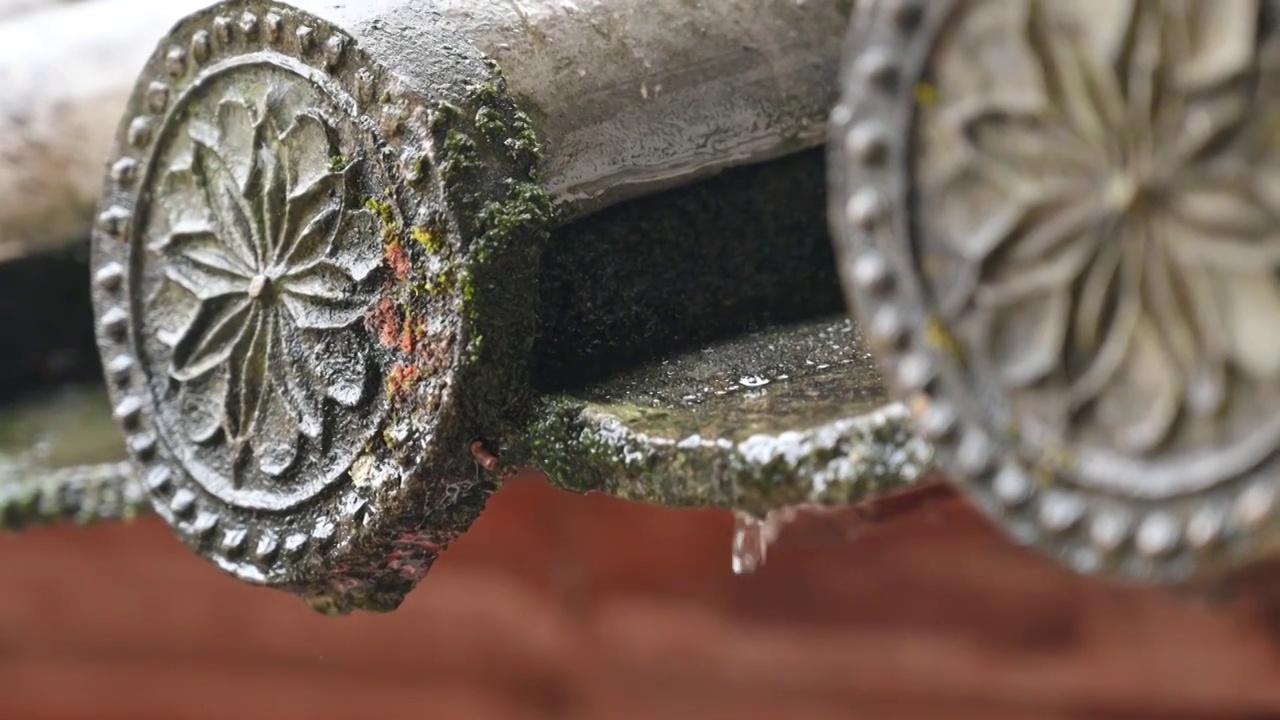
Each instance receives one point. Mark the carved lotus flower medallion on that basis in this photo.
(1111, 214)
(261, 240)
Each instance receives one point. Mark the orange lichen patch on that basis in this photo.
(435, 355)
(414, 329)
(385, 320)
(398, 259)
(402, 379)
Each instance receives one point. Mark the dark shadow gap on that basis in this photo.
(669, 272)
(46, 318)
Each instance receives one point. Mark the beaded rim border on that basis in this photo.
(872, 132)
(212, 528)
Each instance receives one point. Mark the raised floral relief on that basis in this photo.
(259, 260)
(1131, 260)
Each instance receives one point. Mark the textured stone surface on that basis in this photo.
(791, 415)
(320, 233)
(1058, 223)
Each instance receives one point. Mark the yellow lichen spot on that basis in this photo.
(427, 239)
(1058, 459)
(446, 281)
(937, 335)
(1011, 432)
(1044, 476)
(926, 94)
(1270, 134)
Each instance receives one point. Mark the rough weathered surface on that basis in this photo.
(321, 230)
(632, 96)
(726, 83)
(1058, 222)
(304, 268)
(788, 416)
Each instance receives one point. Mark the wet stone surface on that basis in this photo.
(786, 416)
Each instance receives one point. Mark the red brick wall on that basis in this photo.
(558, 606)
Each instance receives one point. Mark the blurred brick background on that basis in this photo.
(560, 606)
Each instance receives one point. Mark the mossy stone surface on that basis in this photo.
(791, 415)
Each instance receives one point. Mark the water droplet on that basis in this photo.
(752, 537)
(753, 381)
(749, 544)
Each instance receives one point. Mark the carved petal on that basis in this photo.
(1207, 389)
(322, 296)
(999, 228)
(274, 191)
(315, 237)
(1097, 292)
(1168, 308)
(322, 280)
(204, 280)
(1223, 42)
(185, 205)
(310, 150)
(309, 222)
(1073, 79)
(199, 243)
(204, 404)
(1227, 208)
(1026, 340)
(296, 383)
(342, 366)
(359, 248)
(1113, 336)
(1144, 398)
(248, 378)
(1251, 305)
(1013, 282)
(204, 265)
(1202, 283)
(1142, 67)
(232, 138)
(1029, 145)
(232, 217)
(1208, 125)
(211, 338)
(173, 312)
(1056, 225)
(320, 314)
(276, 438)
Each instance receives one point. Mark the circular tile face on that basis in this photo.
(1077, 205)
(253, 273)
(281, 296)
